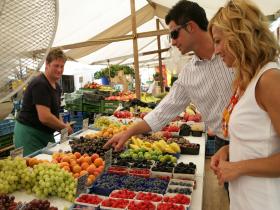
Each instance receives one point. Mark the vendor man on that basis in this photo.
(38, 118)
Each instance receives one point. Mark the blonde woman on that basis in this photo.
(252, 161)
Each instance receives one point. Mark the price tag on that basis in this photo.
(49, 145)
(108, 159)
(63, 135)
(85, 124)
(81, 186)
(17, 152)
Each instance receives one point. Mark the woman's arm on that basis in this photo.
(267, 96)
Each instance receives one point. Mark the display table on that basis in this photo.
(197, 195)
(199, 160)
(60, 203)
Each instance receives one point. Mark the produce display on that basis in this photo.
(179, 190)
(121, 96)
(168, 206)
(141, 205)
(178, 199)
(89, 199)
(185, 168)
(79, 165)
(140, 154)
(90, 146)
(44, 179)
(92, 85)
(107, 183)
(123, 114)
(161, 145)
(126, 194)
(104, 122)
(149, 197)
(107, 132)
(115, 203)
(145, 175)
(7, 202)
(14, 175)
(39, 204)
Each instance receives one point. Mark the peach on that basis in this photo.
(98, 162)
(76, 169)
(91, 169)
(77, 155)
(84, 166)
(88, 160)
(94, 157)
(83, 172)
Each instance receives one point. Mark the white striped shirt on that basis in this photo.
(206, 83)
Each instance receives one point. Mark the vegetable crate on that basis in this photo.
(6, 140)
(6, 127)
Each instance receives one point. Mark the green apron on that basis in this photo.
(30, 139)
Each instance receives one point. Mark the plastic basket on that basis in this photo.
(6, 140)
(92, 108)
(74, 107)
(6, 127)
(108, 110)
(111, 104)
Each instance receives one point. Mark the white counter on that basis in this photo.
(199, 160)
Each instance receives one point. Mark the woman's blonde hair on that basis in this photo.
(247, 38)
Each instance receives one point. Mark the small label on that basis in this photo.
(49, 145)
(85, 124)
(108, 159)
(63, 135)
(17, 152)
(81, 186)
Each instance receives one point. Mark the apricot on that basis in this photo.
(76, 175)
(94, 157)
(84, 166)
(65, 159)
(88, 160)
(80, 160)
(100, 169)
(76, 169)
(66, 168)
(91, 169)
(98, 162)
(83, 172)
(62, 164)
(77, 155)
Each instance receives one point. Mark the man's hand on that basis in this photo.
(221, 154)
(69, 128)
(117, 141)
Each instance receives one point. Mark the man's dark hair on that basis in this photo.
(55, 54)
(184, 11)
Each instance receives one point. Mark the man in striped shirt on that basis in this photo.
(205, 80)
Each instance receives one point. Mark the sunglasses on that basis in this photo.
(175, 33)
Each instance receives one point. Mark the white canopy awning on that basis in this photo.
(83, 24)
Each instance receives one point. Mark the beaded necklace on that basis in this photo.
(227, 111)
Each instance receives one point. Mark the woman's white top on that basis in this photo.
(252, 136)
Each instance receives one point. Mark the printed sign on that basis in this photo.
(81, 186)
(108, 159)
(63, 135)
(49, 145)
(85, 124)
(18, 152)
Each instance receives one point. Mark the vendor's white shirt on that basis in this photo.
(252, 136)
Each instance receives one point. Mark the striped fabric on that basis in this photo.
(206, 83)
